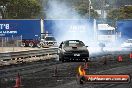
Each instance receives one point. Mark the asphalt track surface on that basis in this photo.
(55, 74)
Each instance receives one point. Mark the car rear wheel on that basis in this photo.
(41, 44)
(38, 45)
(31, 44)
(23, 45)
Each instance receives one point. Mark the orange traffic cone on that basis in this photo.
(131, 55)
(120, 59)
(55, 71)
(18, 81)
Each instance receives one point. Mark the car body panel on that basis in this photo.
(73, 53)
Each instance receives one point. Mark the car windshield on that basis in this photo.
(50, 39)
(74, 43)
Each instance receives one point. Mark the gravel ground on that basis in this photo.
(42, 74)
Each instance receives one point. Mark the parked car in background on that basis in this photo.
(48, 41)
(127, 44)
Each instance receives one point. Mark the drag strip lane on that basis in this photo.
(27, 69)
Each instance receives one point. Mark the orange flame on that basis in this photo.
(81, 71)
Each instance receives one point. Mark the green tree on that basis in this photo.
(83, 10)
(122, 13)
(21, 9)
(128, 12)
(3, 4)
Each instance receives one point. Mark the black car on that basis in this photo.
(73, 50)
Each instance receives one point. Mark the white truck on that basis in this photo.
(105, 33)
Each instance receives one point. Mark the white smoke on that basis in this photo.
(59, 10)
(70, 25)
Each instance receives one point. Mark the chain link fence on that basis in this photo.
(11, 41)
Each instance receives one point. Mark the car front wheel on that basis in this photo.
(61, 58)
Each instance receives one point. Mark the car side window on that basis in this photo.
(82, 44)
(61, 45)
(66, 43)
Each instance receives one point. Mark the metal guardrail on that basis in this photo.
(25, 54)
(5, 56)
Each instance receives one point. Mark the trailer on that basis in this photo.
(70, 29)
(47, 32)
(105, 33)
(31, 31)
(124, 28)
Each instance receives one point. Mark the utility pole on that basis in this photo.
(0, 14)
(102, 10)
(89, 8)
(3, 11)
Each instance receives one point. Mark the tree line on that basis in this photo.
(16, 9)
(28, 9)
(120, 13)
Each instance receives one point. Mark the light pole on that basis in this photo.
(89, 8)
(3, 9)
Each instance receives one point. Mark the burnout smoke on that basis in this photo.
(60, 10)
(67, 23)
